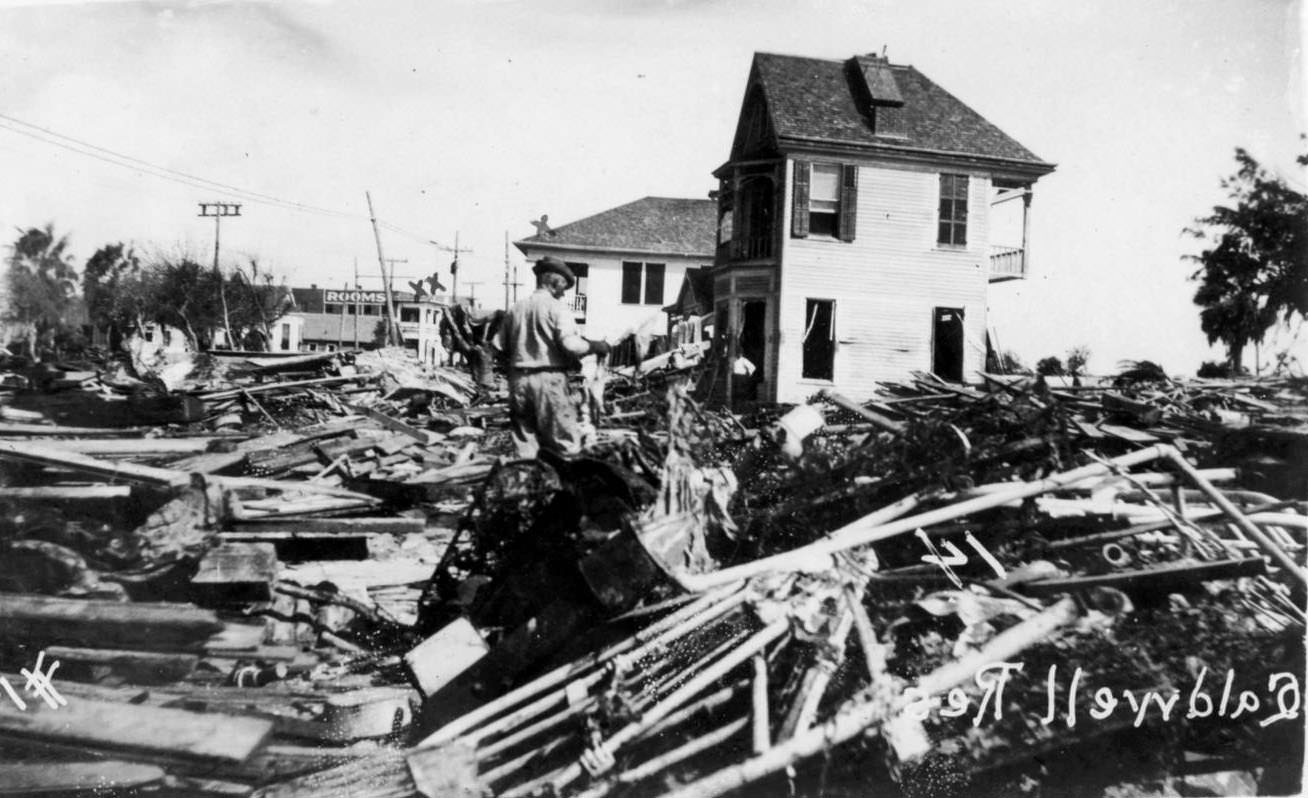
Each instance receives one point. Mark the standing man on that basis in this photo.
(540, 344)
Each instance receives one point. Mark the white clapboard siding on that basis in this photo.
(606, 315)
(886, 284)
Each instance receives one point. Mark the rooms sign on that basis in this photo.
(355, 297)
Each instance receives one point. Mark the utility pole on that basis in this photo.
(472, 291)
(392, 331)
(358, 302)
(340, 331)
(218, 210)
(454, 267)
(391, 262)
(506, 269)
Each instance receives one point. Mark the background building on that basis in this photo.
(629, 261)
(330, 319)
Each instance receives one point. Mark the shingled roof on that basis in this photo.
(820, 101)
(660, 225)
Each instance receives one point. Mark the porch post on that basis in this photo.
(1026, 229)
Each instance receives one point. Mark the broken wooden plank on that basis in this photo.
(394, 424)
(210, 462)
(374, 524)
(148, 626)
(293, 546)
(1160, 579)
(343, 716)
(18, 430)
(46, 455)
(133, 667)
(136, 732)
(65, 493)
(287, 385)
(235, 573)
(1141, 412)
(1127, 434)
(72, 778)
(103, 447)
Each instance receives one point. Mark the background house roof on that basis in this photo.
(819, 99)
(653, 224)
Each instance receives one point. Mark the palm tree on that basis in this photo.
(42, 287)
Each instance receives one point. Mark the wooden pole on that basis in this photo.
(392, 332)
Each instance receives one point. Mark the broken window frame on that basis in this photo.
(824, 371)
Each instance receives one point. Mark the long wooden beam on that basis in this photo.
(46, 455)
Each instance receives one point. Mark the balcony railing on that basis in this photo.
(1007, 263)
(752, 247)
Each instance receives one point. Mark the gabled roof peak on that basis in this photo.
(865, 101)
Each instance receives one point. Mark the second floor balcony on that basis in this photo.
(1007, 263)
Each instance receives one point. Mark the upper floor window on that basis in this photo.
(826, 199)
(953, 211)
(409, 315)
(649, 276)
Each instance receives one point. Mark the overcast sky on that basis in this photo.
(477, 116)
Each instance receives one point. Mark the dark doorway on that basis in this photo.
(819, 340)
(753, 343)
(947, 344)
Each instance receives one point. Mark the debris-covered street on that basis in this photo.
(328, 576)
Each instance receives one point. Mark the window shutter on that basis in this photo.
(799, 213)
(848, 201)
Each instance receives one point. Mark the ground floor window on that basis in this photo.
(819, 339)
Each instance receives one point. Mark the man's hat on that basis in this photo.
(551, 264)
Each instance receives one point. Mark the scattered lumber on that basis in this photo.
(147, 626)
(235, 573)
(135, 732)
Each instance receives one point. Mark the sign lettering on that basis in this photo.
(355, 297)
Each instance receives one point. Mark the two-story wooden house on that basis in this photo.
(629, 260)
(861, 218)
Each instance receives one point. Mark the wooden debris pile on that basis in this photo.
(947, 590)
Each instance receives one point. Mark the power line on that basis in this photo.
(47, 136)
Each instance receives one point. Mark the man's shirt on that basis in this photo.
(533, 332)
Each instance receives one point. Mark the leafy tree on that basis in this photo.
(42, 283)
(1254, 270)
(118, 292)
(1012, 363)
(1077, 358)
(255, 303)
(1049, 366)
(186, 295)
